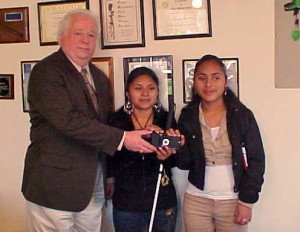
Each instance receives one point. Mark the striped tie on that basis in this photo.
(91, 89)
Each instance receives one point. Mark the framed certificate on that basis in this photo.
(105, 64)
(188, 68)
(50, 13)
(14, 25)
(162, 66)
(6, 86)
(26, 68)
(175, 19)
(122, 23)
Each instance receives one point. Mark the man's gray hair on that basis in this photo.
(64, 24)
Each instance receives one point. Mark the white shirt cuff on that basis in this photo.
(121, 143)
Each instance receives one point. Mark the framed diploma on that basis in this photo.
(105, 64)
(175, 19)
(122, 23)
(26, 67)
(188, 68)
(162, 66)
(6, 86)
(14, 25)
(50, 13)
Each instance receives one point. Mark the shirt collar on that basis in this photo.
(203, 121)
(79, 67)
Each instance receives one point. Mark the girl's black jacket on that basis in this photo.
(242, 130)
(136, 175)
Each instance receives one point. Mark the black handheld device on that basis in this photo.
(163, 140)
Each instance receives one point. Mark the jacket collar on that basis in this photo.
(67, 64)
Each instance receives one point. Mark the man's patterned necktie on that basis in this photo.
(91, 89)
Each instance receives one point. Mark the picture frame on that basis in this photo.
(7, 86)
(26, 68)
(122, 24)
(49, 15)
(105, 64)
(188, 67)
(162, 65)
(14, 25)
(181, 19)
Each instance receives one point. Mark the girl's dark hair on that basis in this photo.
(203, 59)
(211, 58)
(138, 72)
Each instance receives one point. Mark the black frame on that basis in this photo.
(9, 78)
(106, 45)
(187, 91)
(25, 79)
(43, 4)
(181, 36)
(153, 62)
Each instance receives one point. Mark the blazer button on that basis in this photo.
(193, 136)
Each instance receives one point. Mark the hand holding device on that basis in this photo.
(163, 140)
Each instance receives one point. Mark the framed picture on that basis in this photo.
(232, 71)
(14, 25)
(122, 24)
(181, 19)
(26, 67)
(105, 64)
(6, 86)
(49, 15)
(162, 66)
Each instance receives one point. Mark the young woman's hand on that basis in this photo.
(243, 214)
(154, 128)
(164, 152)
(110, 188)
(172, 132)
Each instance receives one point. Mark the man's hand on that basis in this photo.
(133, 141)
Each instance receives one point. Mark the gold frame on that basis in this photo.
(105, 64)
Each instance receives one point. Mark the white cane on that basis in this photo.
(161, 167)
(171, 113)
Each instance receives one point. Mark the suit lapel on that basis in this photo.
(66, 63)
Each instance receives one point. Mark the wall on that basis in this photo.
(243, 29)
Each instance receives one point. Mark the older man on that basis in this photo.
(69, 103)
